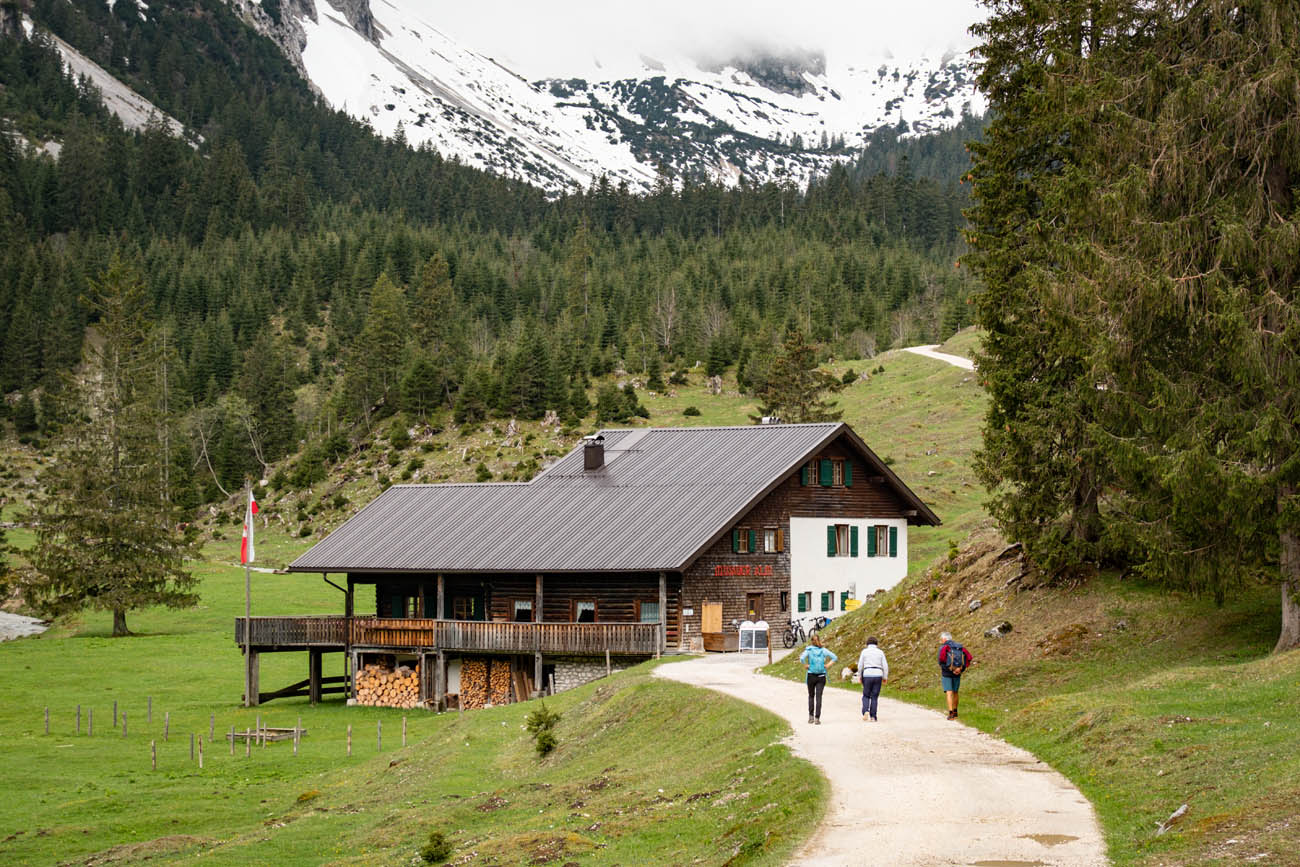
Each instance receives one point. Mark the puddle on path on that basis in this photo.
(1049, 839)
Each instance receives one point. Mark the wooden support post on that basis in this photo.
(212, 726)
(442, 681)
(115, 713)
(537, 604)
(349, 739)
(232, 740)
(123, 723)
(248, 744)
(314, 675)
(200, 754)
(191, 746)
(537, 674)
(552, 684)
(609, 669)
(257, 727)
(442, 608)
(90, 723)
(153, 754)
(167, 725)
(379, 735)
(252, 680)
(663, 613)
(403, 731)
(47, 720)
(78, 719)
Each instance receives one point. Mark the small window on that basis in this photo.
(463, 608)
(805, 599)
(785, 600)
(826, 600)
(584, 612)
(742, 540)
(882, 540)
(843, 545)
(523, 611)
(649, 612)
(837, 473)
(769, 540)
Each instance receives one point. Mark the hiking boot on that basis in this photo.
(812, 720)
(873, 719)
(952, 714)
(867, 716)
(817, 721)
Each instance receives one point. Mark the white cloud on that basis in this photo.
(574, 37)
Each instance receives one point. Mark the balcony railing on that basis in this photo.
(453, 635)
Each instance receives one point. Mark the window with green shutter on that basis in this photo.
(844, 600)
(826, 601)
(871, 541)
(753, 541)
(735, 540)
(830, 540)
(824, 472)
(803, 601)
(803, 476)
(893, 541)
(848, 474)
(853, 541)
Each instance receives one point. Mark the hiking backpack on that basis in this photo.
(956, 654)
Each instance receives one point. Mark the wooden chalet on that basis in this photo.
(636, 543)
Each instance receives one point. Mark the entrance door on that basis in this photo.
(754, 606)
(711, 617)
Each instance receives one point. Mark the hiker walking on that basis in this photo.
(953, 660)
(873, 669)
(814, 659)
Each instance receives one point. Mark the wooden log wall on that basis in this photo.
(616, 597)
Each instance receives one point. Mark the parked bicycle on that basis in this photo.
(794, 633)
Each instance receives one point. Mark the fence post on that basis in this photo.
(212, 726)
(200, 754)
(349, 739)
(123, 723)
(78, 719)
(90, 723)
(248, 744)
(379, 735)
(232, 740)
(47, 720)
(608, 669)
(191, 746)
(149, 713)
(114, 713)
(153, 754)
(167, 725)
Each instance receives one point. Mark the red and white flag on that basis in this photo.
(246, 545)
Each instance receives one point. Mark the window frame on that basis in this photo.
(843, 540)
(742, 540)
(529, 605)
(785, 601)
(882, 539)
(575, 612)
(837, 472)
(640, 608)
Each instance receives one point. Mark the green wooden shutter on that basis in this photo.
(803, 602)
(848, 474)
(824, 471)
(871, 541)
(826, 602)
(893, 541)
(735, 540)
(830, 540)
(803, 475)
(753, 541)
(844, 600)
(853, 541)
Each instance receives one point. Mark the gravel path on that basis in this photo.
(893, 782)
(929, 352)
(18, 626)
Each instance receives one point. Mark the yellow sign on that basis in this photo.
(852, 604)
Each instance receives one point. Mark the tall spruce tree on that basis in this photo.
(106, 527)
(794, 389)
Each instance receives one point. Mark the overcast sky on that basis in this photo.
(560, 37)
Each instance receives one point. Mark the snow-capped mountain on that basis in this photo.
(775, 115)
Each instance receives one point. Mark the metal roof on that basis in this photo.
(663, 496)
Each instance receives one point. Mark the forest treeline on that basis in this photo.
(304, 278)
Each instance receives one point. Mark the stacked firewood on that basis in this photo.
(381, 686)
(484, 682)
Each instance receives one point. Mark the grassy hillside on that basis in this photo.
(1146, 700)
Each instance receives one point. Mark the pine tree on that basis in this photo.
(794, 389)
(655, 375)
(376, 358)
(106, 534)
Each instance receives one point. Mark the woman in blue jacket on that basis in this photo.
(815, 658)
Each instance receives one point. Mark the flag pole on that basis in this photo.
(248, 601)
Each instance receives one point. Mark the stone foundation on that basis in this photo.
(571, 671)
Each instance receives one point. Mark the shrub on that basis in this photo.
(340, 501)
(482, 473)
(678, 377)
(691, 410)
(436, 849)
(305, 531)
(850, 376)
(541, 725)
(398, 438)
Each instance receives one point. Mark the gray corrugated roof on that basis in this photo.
(663, 495)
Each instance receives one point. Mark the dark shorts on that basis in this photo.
(951, 682)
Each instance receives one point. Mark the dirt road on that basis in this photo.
(915, 789)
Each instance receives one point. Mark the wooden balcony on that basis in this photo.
(585, 639)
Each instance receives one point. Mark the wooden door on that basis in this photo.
(711, 617)
(754, 606)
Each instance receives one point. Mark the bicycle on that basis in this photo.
(794, 633)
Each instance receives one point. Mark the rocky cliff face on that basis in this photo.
(282, 23)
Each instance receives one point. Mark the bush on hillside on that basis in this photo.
(691, 410)
(541, 725)
(436, 849)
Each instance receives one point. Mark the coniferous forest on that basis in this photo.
(305, 279)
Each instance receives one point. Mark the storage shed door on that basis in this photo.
(711, 617)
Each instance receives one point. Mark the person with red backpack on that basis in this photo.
(953, 660)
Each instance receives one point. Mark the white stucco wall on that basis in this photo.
(811, 570)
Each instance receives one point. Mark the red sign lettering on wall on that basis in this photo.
(741, 570)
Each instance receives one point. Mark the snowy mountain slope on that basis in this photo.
(771, 117)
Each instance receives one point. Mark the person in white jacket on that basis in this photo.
(873, 669)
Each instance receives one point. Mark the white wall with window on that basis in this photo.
(832, 559)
